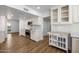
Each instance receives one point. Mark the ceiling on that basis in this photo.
(16, 14)
(44, 9)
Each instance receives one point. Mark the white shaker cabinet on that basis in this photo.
(61, 15)
(60, 40)
(37, 29)
(37, 21)
(36, 33)
(22, 27)
(76, 13)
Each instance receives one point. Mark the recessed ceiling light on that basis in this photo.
(38, 7)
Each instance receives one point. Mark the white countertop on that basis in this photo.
(72, 34)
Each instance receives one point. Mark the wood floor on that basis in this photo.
(20, 44)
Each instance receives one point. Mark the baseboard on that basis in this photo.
(36, 40)
(33, 40)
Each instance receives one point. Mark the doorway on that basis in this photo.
(46, 25)
(12, 26)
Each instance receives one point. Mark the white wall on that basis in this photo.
(2, 28)
(14, 25)
(46, 25)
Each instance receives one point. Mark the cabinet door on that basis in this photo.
(54, 15)
(66, 14)
(35, 20)
(22, 27)
(76, 13)
(40, 21)
(75, 45)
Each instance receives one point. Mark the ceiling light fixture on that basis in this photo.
(38, 7)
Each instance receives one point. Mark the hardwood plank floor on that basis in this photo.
(20, 44)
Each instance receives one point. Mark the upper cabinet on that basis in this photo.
(76, 13)
(65, 14)
(37, 21)
(61, 15)
(54, 16)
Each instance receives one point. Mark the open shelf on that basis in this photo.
(65, 7)
(65, 11)
(65, 14)
(65, 19)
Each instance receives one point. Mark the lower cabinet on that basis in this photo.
(75, 45)
(60, 40)
(36, 33)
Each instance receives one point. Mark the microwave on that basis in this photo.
(29, 23)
